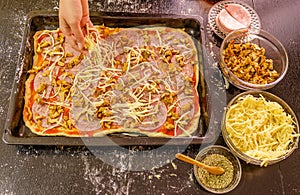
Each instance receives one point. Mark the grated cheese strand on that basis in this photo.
(260, 128)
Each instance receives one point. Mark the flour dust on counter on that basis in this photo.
(120, 181)
(4, 4)
(124, 6)
(12, 28)
(104, 181)
(136, 158)
(127, 168)
(145, 6)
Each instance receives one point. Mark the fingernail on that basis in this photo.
(80, 46)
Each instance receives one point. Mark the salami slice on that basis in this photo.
(83, 118)
(139, 80)
(233, 17)
(227, 23)
(40, 114)
(70, 52)
(126, 38)
(156, 120)
(49, 47)
(43, 81)
(239, 13)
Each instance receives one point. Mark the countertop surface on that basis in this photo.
(29, 169)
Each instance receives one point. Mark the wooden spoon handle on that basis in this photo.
(190, 160)
(211, 169)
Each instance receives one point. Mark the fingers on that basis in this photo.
(86, 21)
(90, 24)
(85, 8)
(67, 31)
(78, 34)
(72, 41)
(85, 14)
(63, 26)
(73, 16)
(73, 33)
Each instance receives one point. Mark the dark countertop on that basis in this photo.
(106, 170)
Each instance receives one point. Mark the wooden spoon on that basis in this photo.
(211, 169)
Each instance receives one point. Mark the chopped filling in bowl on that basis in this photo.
(248, 62)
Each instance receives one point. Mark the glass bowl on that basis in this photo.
(252, 131)
(273, 50)
(221, 150)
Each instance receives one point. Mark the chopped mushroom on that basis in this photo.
(248, 62)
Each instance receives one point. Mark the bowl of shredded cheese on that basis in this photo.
(253, 60)
(260, 128)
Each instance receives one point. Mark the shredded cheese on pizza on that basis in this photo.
(260, 128)
(130, 80)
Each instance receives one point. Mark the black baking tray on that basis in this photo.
(17, 133)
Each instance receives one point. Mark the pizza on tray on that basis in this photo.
(134, 80)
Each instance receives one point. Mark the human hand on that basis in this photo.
(73, 16)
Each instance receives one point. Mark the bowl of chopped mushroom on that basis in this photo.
(253, 59)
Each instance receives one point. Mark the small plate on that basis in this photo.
(216, 9)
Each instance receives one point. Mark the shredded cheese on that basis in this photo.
(260, 128)
(119, 85)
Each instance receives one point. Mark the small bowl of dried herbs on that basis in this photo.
(221, 156)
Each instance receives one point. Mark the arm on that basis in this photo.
(73, 16)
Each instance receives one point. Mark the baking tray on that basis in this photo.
(17, 133)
